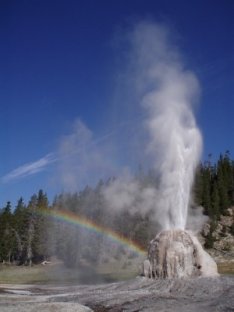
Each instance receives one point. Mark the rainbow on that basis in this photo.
(74, 219)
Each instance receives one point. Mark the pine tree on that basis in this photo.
(209, 239)
(20, 230)
(206, 185)
(40, 240)
(215, 203)
(198, 186)
(7, 242)
(222, 184)
(31, 220)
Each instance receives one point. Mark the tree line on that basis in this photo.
(214, 190)
(24, 231)
(214, 186)
(29, 235)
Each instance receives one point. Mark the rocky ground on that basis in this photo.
(139, 294)
(223, 235)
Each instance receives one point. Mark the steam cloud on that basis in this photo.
(81, 158)
(167, 93)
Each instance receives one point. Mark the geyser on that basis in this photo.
(175, 140)
(175, 143)
(178, 254)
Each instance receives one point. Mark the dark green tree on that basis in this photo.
(20, 230)
(215, 203)
(41, 228)
(222, 180)
(30, 225)
(7, 241)
(209, 239)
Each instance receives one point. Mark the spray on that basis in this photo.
(167, 93)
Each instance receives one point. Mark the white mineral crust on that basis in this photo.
(179, 254)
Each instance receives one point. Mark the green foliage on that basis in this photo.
(214, 186)
(209, 243)
(8, 241)
(209, 239)
(22, 233)
(232, 228)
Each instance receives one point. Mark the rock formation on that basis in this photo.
(177, 254)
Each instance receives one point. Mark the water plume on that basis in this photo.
(167, 93)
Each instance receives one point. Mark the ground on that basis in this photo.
(139, 294)
(54, 288)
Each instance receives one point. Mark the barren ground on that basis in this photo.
(58, 289)
(139, 294)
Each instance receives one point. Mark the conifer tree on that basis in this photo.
(215, 203)
(206, 185)
(20, 230)
(31, 220)
(40, 240)
(7, 242)
(222, 183)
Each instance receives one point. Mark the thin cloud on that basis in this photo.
(29, 168)
(40, 165)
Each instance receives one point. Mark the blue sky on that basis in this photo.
(59, 63)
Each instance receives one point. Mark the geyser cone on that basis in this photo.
(178, 254)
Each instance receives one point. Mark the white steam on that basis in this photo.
(167, 93)
(81, 159)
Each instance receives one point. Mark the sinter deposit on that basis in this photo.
(177, 254)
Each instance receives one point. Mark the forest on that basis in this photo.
(28, 233)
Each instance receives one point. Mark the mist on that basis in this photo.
(83, 159)
(164, 93)
(167, 93)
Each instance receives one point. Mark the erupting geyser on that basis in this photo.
(168, 92)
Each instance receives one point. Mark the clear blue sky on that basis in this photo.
(58, 62)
